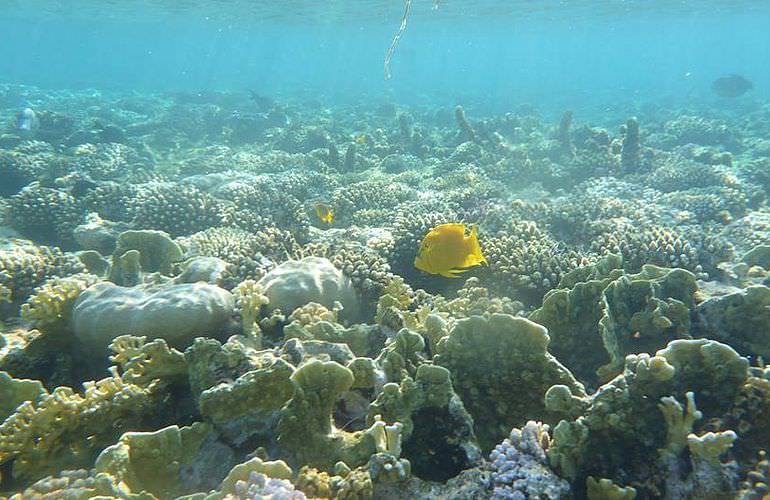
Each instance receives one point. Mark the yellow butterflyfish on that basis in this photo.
(449, 250)
(324, 212)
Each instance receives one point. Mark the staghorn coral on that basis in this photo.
(141, 362)
(263, 202)
(722, 204)
(108, 161)
(367, 270)
(18, 169)
(687, 128)
(409, 229)
(525, 263)
(367, 195)
(111, 200)
(249, 299)
(658, 246)
(679, 174)
(248, 255)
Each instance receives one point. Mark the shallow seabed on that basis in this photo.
(207, 265)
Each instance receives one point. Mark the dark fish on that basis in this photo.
(81, 187)
(263, 103)
(731, 86)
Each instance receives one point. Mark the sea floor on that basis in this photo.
(215, 294)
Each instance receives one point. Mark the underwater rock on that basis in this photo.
(98, 234)
(312, 279)
(741, 318)
(177, 313)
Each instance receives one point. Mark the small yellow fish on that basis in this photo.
(447, 250)
(361, 139)
(324, 212)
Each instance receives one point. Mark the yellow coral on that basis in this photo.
(313, 312)
(142, 362)
(679, 422)
(50, 306)
(249, 299)
(711, 445)
(65, 427)
(605, 489)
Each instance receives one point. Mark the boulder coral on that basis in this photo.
(177, 313)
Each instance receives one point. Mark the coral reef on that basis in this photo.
(184, 323)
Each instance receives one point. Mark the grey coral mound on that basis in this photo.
(312, 279)
(177, 313)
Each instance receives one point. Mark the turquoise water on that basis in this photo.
(490, 54)
(245, 253)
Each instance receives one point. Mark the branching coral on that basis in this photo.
(50, 307)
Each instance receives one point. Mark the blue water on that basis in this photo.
(488, 55)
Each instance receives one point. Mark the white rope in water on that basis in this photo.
(397, 37)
